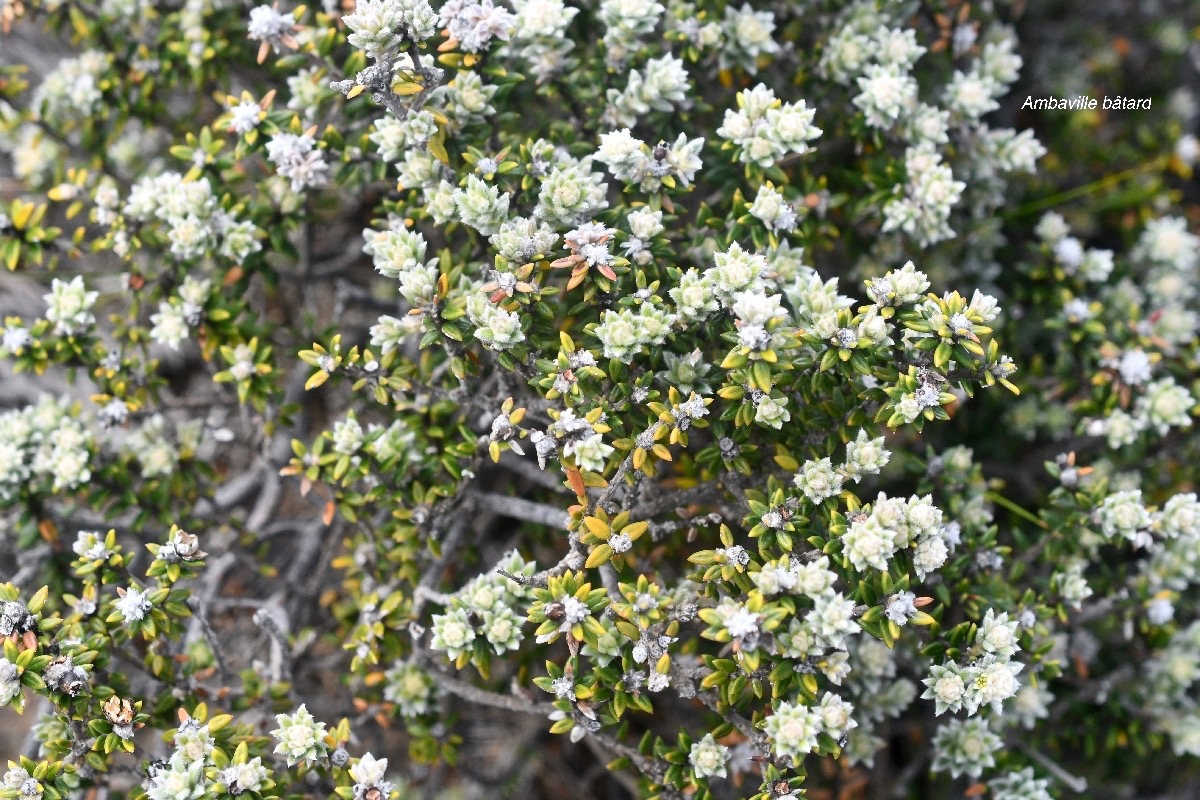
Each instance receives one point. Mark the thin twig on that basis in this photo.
(1073, 782)
(522, 509)
(471, 692)
(281, 666)
(597, 744)
(214, 644)
(529, 471)
(618, 479)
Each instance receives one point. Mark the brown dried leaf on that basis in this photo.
(575, 479)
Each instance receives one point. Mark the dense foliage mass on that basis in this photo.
(750, 398)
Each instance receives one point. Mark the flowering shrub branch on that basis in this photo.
(418, 363)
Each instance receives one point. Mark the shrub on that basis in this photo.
(682, 414)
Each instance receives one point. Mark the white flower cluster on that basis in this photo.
(571, 195)
(769, 410)
(929, 194)
(846, 53)
(420, 170)
(764, 129)
(773, 210)
(169, 783)
(71, 91)
(383, 27)
(395, 443)
(10, 682)
(877, 691)
(633, 162)
(735, 277)
(879, 62)
(694, 298)
(69, 306)
(399, 253)
(860, 40)
(43, 447)
(481, 206)
(988, 680)
(1169, 256)
(244, 117)
(307, 90)
(34, 154)
(821, 636)
(1166, 243)
(151, 446)
(410, 688)
(540, 35)
(393, 137)
(1020, 785)
(182, 777)
(1031, 703)
(484, 607)
(708, 759)
(1122, 514)
(738, 621)
(18, 779)
(756, 314)
(464, 100)
(1071, 584)
(496, 327)
(1006, 150)
(132, 605)
(369, 776)
(735, 271)
(250, 776)
(965, 747)
(170, 326)
(521, 239)
(1163, 405)
(1134, 366)
(1176, 563)
(268, 25)
(625, 22)
(475, 23)
(347, 435)
(794, 728)
(887, 91)
(819, 480)
(1173, 673)
(682, 18)
(196, 224)
(1069, 253)
(661, 85)
(297, 158)
(929, 124)
(865, 52)
(813, 579)
(890, 524)
(970, 95)
(90, 545)
(299, 737)
(623, 334)
(747, 37)
(816, 301)
(453, 632)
